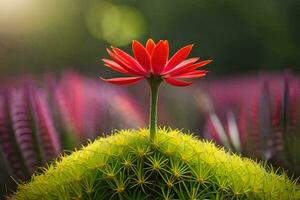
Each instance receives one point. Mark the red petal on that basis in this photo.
(178, 57)
(150, 45)
(124, 64)
(115, 66)
(193, 74)
(129, 60)
(166, 43)
(175, 82)
(141, 55)
(159, 57)
(123, 81)
(182, 65)
(190, 68)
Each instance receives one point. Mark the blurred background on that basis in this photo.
(52, 102)
(51, 35)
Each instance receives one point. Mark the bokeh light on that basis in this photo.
(116, 24)
(22, 16)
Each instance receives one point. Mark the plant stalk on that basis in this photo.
(154, 86)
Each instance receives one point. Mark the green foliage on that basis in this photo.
(175, 166)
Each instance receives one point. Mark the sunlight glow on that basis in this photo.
(20, 16)
(116, 24)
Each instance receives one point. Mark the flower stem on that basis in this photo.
(154, 86)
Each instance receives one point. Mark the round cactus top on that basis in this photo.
(127, 165)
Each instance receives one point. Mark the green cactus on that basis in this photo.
(174, 165)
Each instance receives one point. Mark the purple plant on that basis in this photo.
(22, 120)
(40, 118)
(258, 117)
(48, 134)
(28, 138)
(10, 150)
(87, 108)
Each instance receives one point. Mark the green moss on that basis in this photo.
(175, 166)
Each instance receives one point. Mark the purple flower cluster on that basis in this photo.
(257, 116)
(40, 118)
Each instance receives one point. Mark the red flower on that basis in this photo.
(153, 61)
